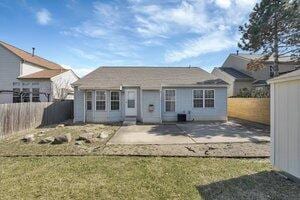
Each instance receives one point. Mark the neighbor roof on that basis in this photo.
(256, 56)
(29, 58)
(235, 73)
(294, 75)
(44, 74)
(145, 77)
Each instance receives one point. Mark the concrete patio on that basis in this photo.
(191, 133)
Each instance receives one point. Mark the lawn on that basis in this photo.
(100, 177)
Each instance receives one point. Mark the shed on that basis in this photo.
(285, 122)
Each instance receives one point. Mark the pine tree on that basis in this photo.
(273, 30)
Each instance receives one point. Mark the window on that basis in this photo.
(35, 83)
(16, 84)
(26, 95)
(89, 100)
(170, 100)
(16, 95)
(25, 83)
(100, 100)
(114, 100)
(35, 95)
(198, 98)
(209, 98)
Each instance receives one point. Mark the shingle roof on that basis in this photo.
(145, 77)
(29, 58)
(235, 73)
(260, 82)
(44, 74)
(256, 56)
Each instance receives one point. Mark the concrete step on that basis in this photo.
(129, 121)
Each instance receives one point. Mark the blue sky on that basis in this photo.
(83, 35)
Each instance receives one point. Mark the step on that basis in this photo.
(129, 121)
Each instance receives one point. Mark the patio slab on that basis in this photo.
(150, 134)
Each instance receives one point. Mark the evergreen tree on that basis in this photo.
(273, 30)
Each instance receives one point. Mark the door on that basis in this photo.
(130, 102)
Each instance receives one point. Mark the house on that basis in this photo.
(285, 122)
(234, 71)
(26, 77)
(149, 95)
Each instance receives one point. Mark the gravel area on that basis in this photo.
(198, 150)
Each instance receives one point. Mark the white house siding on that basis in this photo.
(151, 97)
(9, 71)
(285, 126)
(227, 78)
(63, 80)
(28, 68)
(78, 105)
(238, 85)
(184, 104)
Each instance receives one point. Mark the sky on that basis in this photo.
(84, 35)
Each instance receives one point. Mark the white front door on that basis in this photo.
(130, 102)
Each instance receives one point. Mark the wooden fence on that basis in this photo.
(21, 116)
(251, 109)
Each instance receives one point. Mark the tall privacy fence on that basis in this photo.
(251, 109)
(21, 116)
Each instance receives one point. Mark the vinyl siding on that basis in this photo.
(225, 77)
(285, 126)
(28, 68)
(184, 104)
(78, 105)
(9, 71)
(151, 97)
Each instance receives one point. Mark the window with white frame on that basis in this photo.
(170, 100)
(35, 95)
(25, 95)
(16, 95)
(100, 100)
(198, 98)
(115, 100)
(209, 98)
(88, 100)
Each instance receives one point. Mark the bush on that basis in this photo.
(254, 93)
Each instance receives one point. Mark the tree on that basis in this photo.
(273, 30)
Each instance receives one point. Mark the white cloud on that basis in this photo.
(214, 42)
(223, 3)
(43, 16)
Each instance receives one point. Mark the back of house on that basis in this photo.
(149, 95)
(26, 77)
(234, 71)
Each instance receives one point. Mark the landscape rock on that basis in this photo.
(60, 125)
(91, 140)
(79, 142)
(86, 136)
(28, 138)
(47, 140)
(66, 138)
(104, 135)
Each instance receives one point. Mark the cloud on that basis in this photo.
(214, 42)
(80, 71)
(43, 17)
(223, 3)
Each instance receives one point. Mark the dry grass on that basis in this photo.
(141, 178)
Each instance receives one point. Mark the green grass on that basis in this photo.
(93, 177)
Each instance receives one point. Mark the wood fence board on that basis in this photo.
(21, 116)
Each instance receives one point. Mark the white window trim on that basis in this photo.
(91, 100)
(115, 100)
(202, 99)
(100, 100)
(204, 106)
(165, 109)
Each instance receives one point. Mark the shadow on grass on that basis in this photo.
(263, 185)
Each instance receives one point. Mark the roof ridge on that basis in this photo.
(147, 67)
(30, 54)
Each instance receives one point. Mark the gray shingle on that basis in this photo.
(235, 73)
(145, 77)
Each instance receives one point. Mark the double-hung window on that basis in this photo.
(88, 100)
(100, 100)
(16, 95)
(209, 98)
(25, 95)
(204, 98)
(198, 98)
(35, 95)
(170, 100)
(115, 101)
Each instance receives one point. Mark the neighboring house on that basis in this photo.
(234, 71)
(285, 122)
(25, 77)
(149, 94)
